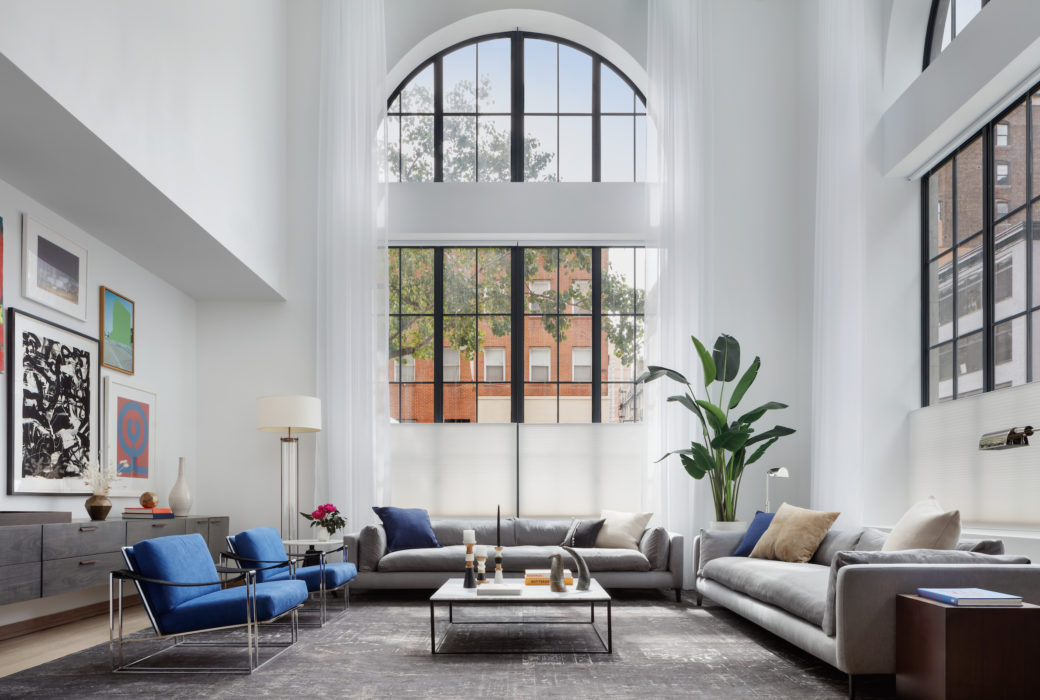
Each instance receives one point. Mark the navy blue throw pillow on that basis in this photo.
(754, 533)
(406, 528)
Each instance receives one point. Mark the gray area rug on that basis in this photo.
(381, 648)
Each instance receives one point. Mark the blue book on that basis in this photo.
(970, 596)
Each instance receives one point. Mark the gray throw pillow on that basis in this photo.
(655, 545)
(717, 543)
(871, 540)
(903, 556)
(982, 546)
(583, 533)
(833, 542)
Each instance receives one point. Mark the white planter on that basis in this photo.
(323, 534)
(731, 525)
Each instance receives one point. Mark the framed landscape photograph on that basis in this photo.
(54, 269)
(117, 331)
(52, 406)
(130, 413)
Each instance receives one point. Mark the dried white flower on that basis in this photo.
(98, 479)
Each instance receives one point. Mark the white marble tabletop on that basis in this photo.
(453, 592)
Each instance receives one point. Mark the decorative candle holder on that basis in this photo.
(498, 566)
(469, 581)
(481, 557)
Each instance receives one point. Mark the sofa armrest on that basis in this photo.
(366, 548)
(676, 545)
(865, 603)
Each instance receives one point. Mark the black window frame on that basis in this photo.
(517, 112)
(991, 326)
(936, 22)
(518, 363)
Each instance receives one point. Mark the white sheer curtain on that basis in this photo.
(352, 264)
(679, 251)
(840, 240)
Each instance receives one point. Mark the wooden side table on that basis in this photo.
(948, 651)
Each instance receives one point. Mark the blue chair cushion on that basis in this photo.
(179, 558)
(228, 606)
(406, 528)
(262, 544)
(754, 533)
(336, 574)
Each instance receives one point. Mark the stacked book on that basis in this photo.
(540, 577)
(966, 597)
(147, 513)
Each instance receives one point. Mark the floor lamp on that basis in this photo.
(289, 414)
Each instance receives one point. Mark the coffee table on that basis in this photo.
(454, 595)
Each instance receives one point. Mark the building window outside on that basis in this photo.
(981, 307)
(541, 364)
(457, 309)
(581, 364)
(516, 107)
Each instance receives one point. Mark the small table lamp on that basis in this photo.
(774, 472)
(285, 414)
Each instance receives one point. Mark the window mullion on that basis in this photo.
(597, 330)
(988, 262)
(438, 334)
(597, 147)
(516, 138)
(516, 294)
(438, 119)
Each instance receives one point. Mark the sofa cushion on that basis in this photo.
(336, 574)
(925, 526)
(516, 559)
(622, 530)
(583, 533)
(905, 556)
(982, 546)
(449, 558)
(541, 531)
(600, 559)
(794, 534)
(800, 589)
(754, 533)
(833, 542)
(655, 546)
(406, 528)
(871, 540)
(715, 544)
(449, 530)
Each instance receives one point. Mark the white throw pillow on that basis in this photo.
(925, 526)
(622, 530)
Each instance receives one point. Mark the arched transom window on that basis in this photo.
(516, 107)
(946, 20)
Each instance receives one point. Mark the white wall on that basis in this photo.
(190, 93)
(165, 362)
(252, 349)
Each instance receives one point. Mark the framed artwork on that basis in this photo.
(52, 406)
(130, 436)
(2, 354)
(117, 331)
(54, 269)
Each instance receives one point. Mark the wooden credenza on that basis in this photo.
(44, 560)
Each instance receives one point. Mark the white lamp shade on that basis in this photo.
(780, 472)
(280, 414)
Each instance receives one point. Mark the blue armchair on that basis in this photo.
(263, 546)
(179, 587)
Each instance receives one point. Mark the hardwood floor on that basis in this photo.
(30, 650)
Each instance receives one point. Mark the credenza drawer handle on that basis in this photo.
(158, 524)
(88, 562)
(88, 528)
(215, 521)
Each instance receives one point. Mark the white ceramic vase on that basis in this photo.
(180, 496)
(323, 535)
(731, 525)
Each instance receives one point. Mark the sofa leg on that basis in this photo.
(678, 595)
(700, 599)
(852, 686)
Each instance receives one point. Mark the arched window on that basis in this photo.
(945, 21)
(516, 107)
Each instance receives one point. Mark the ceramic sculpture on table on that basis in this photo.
(584, 579)
(556, 583)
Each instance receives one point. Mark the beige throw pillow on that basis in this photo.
(622, 530)
(794, 534)
(925, 526)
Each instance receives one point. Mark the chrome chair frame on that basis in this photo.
(292, 562)
(116, 640)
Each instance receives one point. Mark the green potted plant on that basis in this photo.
(723, 452)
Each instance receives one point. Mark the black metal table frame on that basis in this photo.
(437, 645)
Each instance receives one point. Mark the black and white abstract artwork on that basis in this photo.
(53, 397)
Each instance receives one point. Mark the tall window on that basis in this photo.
(516, 106)
(947, 19)
(462, 317)
(982, 286)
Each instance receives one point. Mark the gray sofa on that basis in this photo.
(526, 542)
(841, 605)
